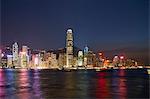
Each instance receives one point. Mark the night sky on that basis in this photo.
(100, 24)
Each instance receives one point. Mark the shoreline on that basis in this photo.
(77, 69)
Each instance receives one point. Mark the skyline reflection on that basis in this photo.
(36, 85)
(103, 86)
(2, 84)
(119, 84)
(23, 84)
(29, 84)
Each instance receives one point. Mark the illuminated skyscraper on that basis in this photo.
(25, 49)
(54, 62)
(62, 60)
(24, 57)
(0, 56)
(116, 60)
(36, 60)
(69, 49)
(86, 51)
(80, 58)
(9, 61)
(15, 54)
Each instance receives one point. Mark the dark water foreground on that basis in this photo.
(46, 84)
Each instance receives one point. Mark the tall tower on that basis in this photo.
(24, 58)
(15, 54)
(69, 49)
(80, 58)
(86, 51)
(0, 57)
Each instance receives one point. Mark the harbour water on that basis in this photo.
(83, 84)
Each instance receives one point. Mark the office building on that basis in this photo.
(15, 54)
(9, 61)
(80, 58)
(69, 49)
(24, 58)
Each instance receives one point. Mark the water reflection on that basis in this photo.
(36, 85)
(103, 86)
(122, 85)
(77, 84)
(10, 82)
(46, 84)
(2, 84)
(70, 85)
(119, 84)
(83, 84)
(111, 85)
(24, 86)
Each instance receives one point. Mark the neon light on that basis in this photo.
(9, 56)
(121, 57)
(2, 55)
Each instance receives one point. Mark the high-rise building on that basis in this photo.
(91, 59)
(80, 58)
(54, 62)
(86, 51)
(24, 58)
(42, 62)
(48, 59)
(0, 56)
(25, 49)
(30, 54)
(116, 60)
(122, 61)
(15, 54)
(62, 60)
(36, 60)
(4, 62)
(69, 49)
(9, 61)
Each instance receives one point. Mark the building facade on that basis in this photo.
(69, 49)
(9, 61)
(15, 54)
(80, 58)
(24, 58)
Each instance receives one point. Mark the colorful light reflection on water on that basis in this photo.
(45, 84)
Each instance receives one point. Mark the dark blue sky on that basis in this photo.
(100, 24)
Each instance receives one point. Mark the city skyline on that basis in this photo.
(26, 55)
(74, 49)
(109, 54)
(42, 25)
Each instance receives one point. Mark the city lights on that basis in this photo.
(42, 59)
(2, 55)
(122, 57)
(74, 49)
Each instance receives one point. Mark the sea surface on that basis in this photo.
(48, 84)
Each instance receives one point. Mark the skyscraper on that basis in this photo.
(0, 56)
(80, 58)
(25, 49)
(9, 61)
(15, 54)
(86, 51)
(24, 58)
(69, 49)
